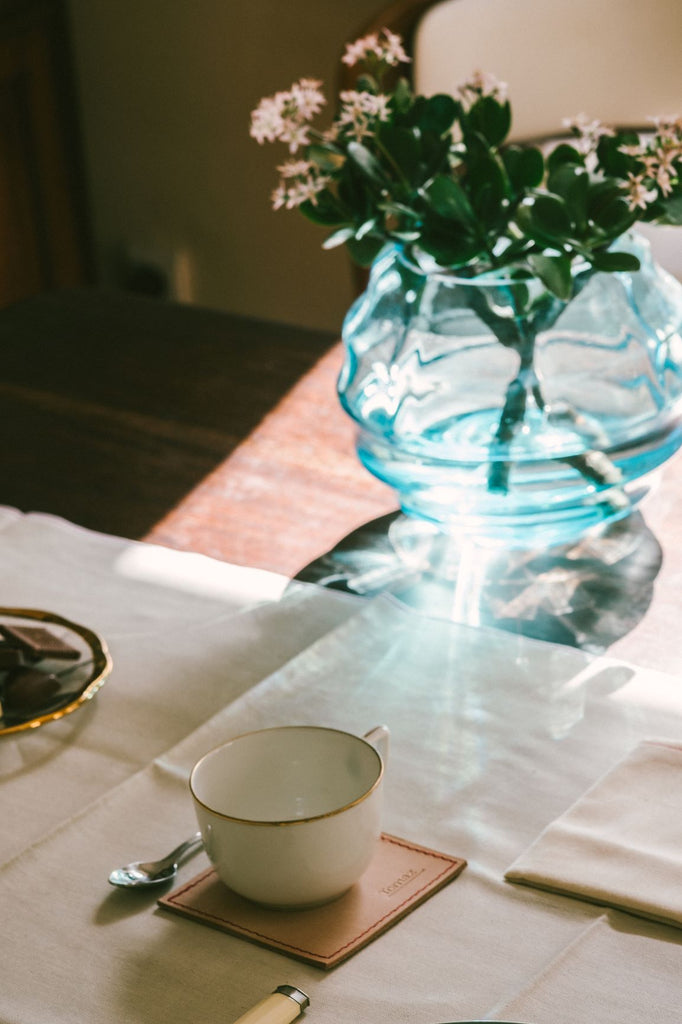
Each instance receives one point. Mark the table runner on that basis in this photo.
(493, 736)
(590, 980)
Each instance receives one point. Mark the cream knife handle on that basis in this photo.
(281, 1007)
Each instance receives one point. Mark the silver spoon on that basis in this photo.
(153, 872)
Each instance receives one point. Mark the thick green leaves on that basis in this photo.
(402, 96)
(487, 188)
(450, 248)
(326, 210)
(339, 238)
(490, 119)
(449, 200)
(564, 154)
(609, 150)
(326, 158)
(612, 261)
(402, 148)
(614, 217)
(365, 161)
(435, 114)
(473, 201)
(554, 272)
(571, 182)
(672, 210)
(365, 250)
(524, 165)
(549, 218)
(438, 114)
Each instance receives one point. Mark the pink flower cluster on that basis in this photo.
(482, 83)
(587, 132)
(285, 116)
(360, 112)
(384, 47)
(660, 155)
(300, 182)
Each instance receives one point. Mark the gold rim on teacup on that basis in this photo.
(288, 821)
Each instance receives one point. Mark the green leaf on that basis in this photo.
(406, 236)
(449, 250)
(615, 217)
(366, 228)
(402, 146)
(366, 250)
(600, 194)
(613, 261)
(434, 154)
(398, 209)
(611, 159)
(487, 185)
(549, 216)
(564, 154)
(325, 157)
(449, 200)
(491, 119)
(571, 183)
(438, 114)
(402, 96)
(325, 210)
(672, 210)
(338, 238)
(555, 273)
(354, 191)
(366, 162)
(451, 243)
(524, 165)
(367, 83)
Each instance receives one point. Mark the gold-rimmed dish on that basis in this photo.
(77, 680)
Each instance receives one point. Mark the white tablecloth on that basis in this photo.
(493, 736)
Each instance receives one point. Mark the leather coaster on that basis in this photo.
(401, 876)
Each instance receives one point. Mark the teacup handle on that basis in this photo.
(379, 737)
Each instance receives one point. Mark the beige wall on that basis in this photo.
(166, 88)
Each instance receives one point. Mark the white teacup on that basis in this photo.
(291, 816)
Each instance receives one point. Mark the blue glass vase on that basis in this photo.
(497, 410)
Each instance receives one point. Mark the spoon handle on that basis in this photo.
(189, 844)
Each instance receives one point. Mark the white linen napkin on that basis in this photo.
(620, 844)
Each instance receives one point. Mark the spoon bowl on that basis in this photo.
(141, 874)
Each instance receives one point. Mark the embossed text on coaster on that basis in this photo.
(401, 876)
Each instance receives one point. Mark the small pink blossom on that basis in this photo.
(285, 116)
(384, 46)
(668, 126)
(658, 156)
(307, 97)
(482, 83)
(587, 131)
(360, 112)
(295, 168)
(639, 196)
(663, 179)
(300, 182)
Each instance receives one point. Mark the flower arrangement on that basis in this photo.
(438, 175)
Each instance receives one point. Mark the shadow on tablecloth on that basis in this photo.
(587, 594)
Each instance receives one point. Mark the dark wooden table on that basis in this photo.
(188, 427)
(223, 435)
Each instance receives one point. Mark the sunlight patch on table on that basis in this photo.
(198, 574)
